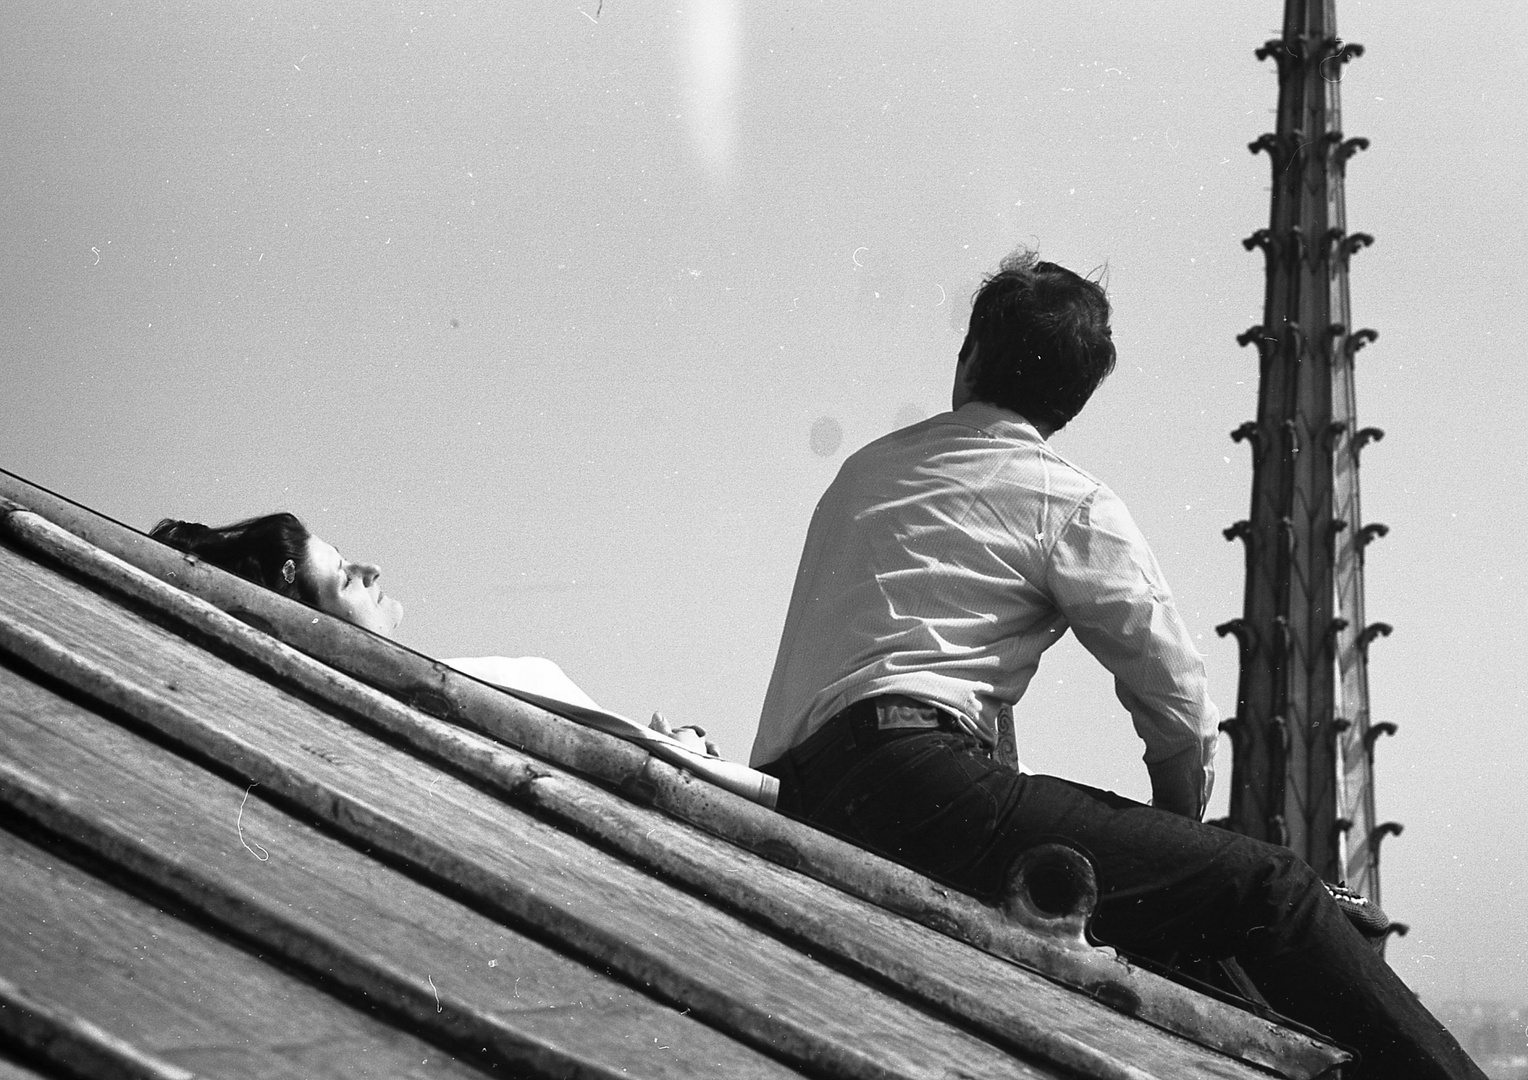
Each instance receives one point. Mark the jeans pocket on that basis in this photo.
(919, 800)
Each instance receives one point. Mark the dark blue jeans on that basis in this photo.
(1168, 885)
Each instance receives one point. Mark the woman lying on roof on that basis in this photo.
(278, 552)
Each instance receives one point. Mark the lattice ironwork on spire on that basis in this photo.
(1302, 737)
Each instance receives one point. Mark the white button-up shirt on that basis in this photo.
(946, 557)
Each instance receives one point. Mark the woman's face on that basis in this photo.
(349, 590)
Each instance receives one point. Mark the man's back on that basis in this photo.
(944, 560)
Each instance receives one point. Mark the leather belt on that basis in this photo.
(869, 718)
(866, 724)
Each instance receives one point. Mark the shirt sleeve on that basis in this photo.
(1105, 580)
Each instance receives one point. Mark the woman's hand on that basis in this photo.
(690, 736)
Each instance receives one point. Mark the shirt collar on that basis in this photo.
(997, 420)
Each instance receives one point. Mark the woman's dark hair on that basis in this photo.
(1044, 336)
(258, 549)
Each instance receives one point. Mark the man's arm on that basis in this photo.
(1107, 583)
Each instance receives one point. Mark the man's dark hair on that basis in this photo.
(1044, 336)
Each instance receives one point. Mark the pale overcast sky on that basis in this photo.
(566, 313)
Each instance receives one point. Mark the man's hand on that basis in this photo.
(1180, 784)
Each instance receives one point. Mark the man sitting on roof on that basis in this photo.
(943, 560)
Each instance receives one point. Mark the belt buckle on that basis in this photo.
(894, 712)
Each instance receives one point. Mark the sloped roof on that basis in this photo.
(239, 837)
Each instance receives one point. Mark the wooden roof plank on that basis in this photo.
(443, 692)
(978, 988)
(180, 994)
(1080, 1039)
(1054, 1024)
(330, 910)
(39, 1028)
(522, 870)
(15, 1070)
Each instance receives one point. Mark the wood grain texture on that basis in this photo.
(181, 994)
(1054, 1024)
(1051, 1024)
(441, 691)
(328, 909)
(15, 1070)
(677, 945)
(36, 1025)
